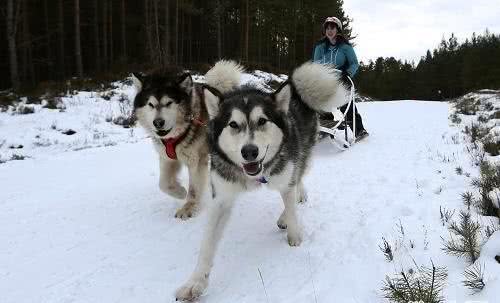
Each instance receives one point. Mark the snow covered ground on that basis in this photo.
(88, 117)
(91, 225)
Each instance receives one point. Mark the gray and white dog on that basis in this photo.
(256, 138)
(171, 108)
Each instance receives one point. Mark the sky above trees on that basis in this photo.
(406, 29)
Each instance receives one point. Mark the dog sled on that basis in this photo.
(337, 131)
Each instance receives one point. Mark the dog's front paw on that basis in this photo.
(174, 190)
(188, 210)
(303, 196)
(281, 221)
(191, 290)
(294, 238)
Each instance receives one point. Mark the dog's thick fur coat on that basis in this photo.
(257, 137)
(171, 105)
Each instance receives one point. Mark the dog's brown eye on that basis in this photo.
(233, 124)
(168, 104)
(151, 105)
(261, 122)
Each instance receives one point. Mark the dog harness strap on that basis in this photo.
(198, 122)
(171, 143)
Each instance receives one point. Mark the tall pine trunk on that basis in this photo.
(241, 30)
(190, 39)
(157, 53)
(181, 40)
(149, 38)
(223, 33)
(123, 31)
(11, 37)
(247, 30)
(176, 50)
(166, 36)
(259, 37)
(292, 46)
(200, 43)
(48, 50)
(97, 46)
(105, 33)
(28, 66)
(62, 51)
(304, 34)
(218, 17)
(78, 48)
(22, 43)
(111, 49)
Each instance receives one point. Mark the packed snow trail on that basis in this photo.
(93, 226)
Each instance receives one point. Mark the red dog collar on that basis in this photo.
(171, 143)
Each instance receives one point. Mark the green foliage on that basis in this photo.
(451, 70)
(491, 229)
(386, 79)
(17, 157)
(474, 278)
(483, 119)
(464, 241)
(6, 99)
(455, 119)
(468, 199)
(476, 132)
(445, 215)
(423, 285)
(495, 115)
(387, 250)
(491, 147)
(467, 106)
(488, 181)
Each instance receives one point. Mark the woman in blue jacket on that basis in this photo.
(336, 50)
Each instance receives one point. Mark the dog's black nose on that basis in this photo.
(250, 152)
(159, 123)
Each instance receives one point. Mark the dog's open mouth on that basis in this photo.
(162, 132)
(253, 168)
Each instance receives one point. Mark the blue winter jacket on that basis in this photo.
(340, 55)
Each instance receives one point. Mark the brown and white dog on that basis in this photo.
(171, 108)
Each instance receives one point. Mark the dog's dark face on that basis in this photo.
(161, 101)
(248, 126)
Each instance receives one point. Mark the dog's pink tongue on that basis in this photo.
(251, 168)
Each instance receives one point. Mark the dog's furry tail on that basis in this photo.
(224, 76)
(319, 86)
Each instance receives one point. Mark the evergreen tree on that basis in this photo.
(450, 70)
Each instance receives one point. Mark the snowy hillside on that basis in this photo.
(83, 219)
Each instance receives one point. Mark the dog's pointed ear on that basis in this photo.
(212, 101)
(137, 80)
(186, 82)
(282, 96)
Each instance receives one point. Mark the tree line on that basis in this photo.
(450, 70)
(59, 39)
